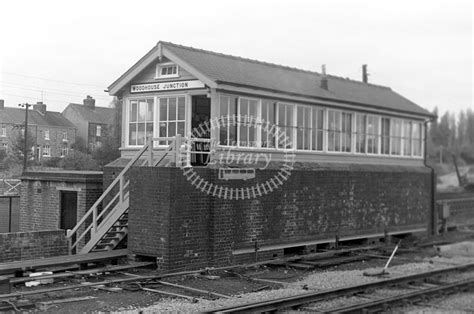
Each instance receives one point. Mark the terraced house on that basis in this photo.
(351, 165)
(52, 134)
(93, 123)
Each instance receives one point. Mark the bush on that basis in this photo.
(77, 160)
(51, 162)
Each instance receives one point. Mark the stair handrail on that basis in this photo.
(174, 147)
(93, 210)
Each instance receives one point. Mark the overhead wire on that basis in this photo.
(36, 98)
(51, 80)
(49, 90)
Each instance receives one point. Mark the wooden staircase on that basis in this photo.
(105, 225)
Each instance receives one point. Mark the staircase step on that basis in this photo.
(103, 246)
(110, 232)
(108, 240)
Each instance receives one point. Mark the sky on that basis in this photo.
(60, 51)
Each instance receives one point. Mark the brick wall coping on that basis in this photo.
(32, 233)
(64, 176)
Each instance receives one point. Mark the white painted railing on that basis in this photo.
(114, 202)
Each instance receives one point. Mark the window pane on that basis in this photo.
(141, 134)
(132, 134)
(149, 130)
(406, 138)
(360, 135)
(385, 149)
(163, 109)
(133, 111)
(224, 127)
(346, 144)
(149, 114)
(172, 109)
(142, 109)
(372, 134)
(181, 128)
(181, 109)
(300, 128)
(307, 131)
(171, 129)
(396, 133)
(163, 128)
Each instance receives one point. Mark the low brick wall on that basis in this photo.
(187, 229)
(20, 246)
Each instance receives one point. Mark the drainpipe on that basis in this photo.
(433, 212)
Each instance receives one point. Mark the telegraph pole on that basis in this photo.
(25, 153)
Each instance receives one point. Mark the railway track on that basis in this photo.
(422, 285)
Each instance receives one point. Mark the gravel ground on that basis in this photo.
(459, 303)
(316, 281)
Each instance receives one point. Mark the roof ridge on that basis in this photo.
(272, 64)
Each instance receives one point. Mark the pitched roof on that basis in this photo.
(11, 115)
(231, 70)
(102, 115)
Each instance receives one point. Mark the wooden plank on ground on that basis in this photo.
(165, 283)
(300, 265)
(83, 272)
(44, 305)
(171, 294)
(61, 260)
(282, 283)
(334, 261)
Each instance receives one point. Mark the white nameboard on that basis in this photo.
(158, 87)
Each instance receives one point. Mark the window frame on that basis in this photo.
(258, 113)
(157, 117)
(46, 148)
(47, 134)
(312, 128)
(340, 131)
(292, 127)
(3, 131)
(128, 122)
(160, 66)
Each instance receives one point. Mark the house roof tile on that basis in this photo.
(102, 115)
(10, 115)
(233, 70)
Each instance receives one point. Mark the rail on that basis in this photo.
(310, 297)
(114, 201)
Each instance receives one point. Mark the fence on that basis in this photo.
(455, 212)
(9, 213)
(10, 186)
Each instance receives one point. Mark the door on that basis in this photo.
(68, 210)
(200, 112)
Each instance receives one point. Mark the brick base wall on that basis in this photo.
(32, 245)
(187, 229)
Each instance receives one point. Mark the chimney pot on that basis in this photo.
(365, 75)
(2, 104)
(324, 79)
(40, 107)
(89, 102)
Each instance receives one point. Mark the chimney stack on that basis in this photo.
(40, 107)
(365, 75)
(2, 104)
(324, 79)
(89, 102)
